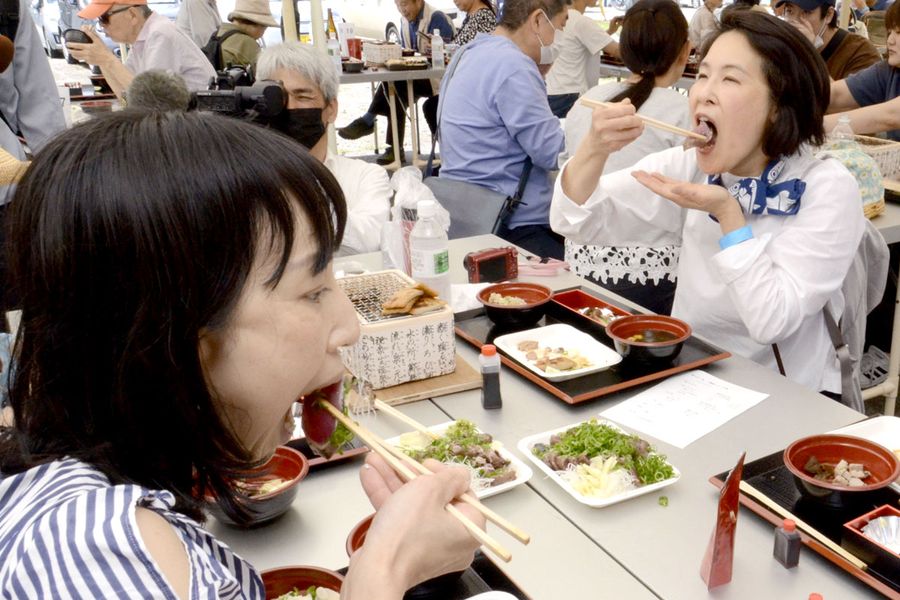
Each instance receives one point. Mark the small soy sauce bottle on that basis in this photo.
(490, 375)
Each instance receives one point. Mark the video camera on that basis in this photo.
(233, 92)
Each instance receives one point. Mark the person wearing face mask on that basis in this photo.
(311, 83)
(576, 46)
(495, 119)
(844, 52)
(871, 98)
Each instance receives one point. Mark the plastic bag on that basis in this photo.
(409, 190)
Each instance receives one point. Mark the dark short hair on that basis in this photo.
(798, 81)
(130, 237)
(653, 35)
(516, 12)
(823, 11)
(892, 17)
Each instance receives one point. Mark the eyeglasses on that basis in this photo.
(104, 18)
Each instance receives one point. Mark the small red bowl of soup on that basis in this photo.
(515, 304)
(649, 338)
(285, 583)
(271, 488)
(814, 462)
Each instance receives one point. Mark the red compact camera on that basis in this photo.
(492, 264)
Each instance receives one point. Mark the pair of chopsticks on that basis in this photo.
(648, 120)
(408, 468)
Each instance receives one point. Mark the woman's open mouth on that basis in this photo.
(708, 130)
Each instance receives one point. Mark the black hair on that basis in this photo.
(892, 17)
(799, 86)
(130, 237)
(823, 12)
(516, 12)
(653, 35)
(490, 5)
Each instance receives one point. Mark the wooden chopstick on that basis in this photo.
(468, 498)
(371, 440)
(492, 516)
(387, 408)
(802, 525)
(648, 120)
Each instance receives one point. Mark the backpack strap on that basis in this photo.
(512, 202)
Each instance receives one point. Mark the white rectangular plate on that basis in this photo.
(881, 430)
(526, 444)
(560, 336)
(523, 471)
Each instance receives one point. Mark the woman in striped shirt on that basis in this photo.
(179, 297)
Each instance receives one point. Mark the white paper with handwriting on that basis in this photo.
(684, 408)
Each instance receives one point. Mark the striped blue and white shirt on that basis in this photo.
(66, 532)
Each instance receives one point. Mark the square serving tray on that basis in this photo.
(477, 329)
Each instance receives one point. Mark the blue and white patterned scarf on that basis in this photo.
(761, 195)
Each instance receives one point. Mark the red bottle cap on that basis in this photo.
(789, 525)
(815, 596)
(489, 350)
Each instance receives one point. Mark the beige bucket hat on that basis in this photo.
(255, 11)
(11, 169)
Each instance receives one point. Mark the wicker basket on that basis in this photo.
(398, 348)
(885, 152)
(376, 54)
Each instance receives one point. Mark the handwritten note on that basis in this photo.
(684, 408)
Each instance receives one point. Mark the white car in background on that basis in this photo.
(372, 19)
(380, 19)
(46, 17)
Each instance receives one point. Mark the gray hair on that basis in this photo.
(306, 60)
(516, 12)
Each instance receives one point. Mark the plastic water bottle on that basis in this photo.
(490, 376)
(437, 50)
(428, 250)
(333, 45)
(333, 48)
(843, 130)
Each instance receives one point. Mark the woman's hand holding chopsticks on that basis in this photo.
(613, 126)
(412, 538)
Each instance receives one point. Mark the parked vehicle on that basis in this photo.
(46, 17)
(380, 19)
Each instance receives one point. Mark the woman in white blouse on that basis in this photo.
(768, 232)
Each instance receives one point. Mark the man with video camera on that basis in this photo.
(311, 86)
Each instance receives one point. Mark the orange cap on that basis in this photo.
(789, 525)
(489, 350)
(99, 7)
(815, 596)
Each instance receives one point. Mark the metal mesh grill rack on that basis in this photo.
(368, 292)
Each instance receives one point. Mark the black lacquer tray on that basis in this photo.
(475, 328)
(769, 476)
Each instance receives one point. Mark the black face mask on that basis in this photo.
(302, 124)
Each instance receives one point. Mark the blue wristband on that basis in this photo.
(735, 237)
